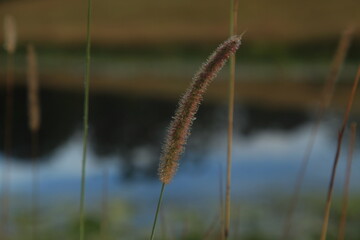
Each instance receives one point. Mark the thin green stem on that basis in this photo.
(233, 26)
(337, 155)
(341, 234)
(221, 202)
(157, 211)
(329, 87)
(35, 187)
(105, 207)
(8, 135)
(86, 117)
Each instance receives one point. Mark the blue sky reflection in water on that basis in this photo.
(126, 133)
(267, 154)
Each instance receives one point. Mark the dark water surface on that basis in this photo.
(126, 134)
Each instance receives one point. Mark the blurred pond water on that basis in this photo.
(126, 134)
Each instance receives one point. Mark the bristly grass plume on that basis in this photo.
(179, 129)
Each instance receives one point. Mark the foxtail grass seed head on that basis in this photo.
(10, 35)
(179, 128)
(33, 89)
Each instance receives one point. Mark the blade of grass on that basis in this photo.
(186, 226)
(337, 64)
(211, 228)
(342, 226)
(6, 181)
(233, 30)
(34, 125)
(221, 203)
(327, 97)
(237, 222)
(105, 208)
(337, 155)
(163, 225)
(86, 119)
(10, 40)
(34, 191)
(157, 211)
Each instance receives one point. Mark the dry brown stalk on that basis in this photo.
(33, 90)
(221, 203)
(179, 129)
(10, 36)
(10, 47)
(211, 228)
(342, 226)
(233, 31)
(328, 91)
(105, 207)
(337, 155)
(34, 119)
(9, 107)
(336, 66)
(34, 125)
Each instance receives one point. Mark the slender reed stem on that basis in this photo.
(163, 226)
(337, 155)
(211, 228)
(34, 192)
(10, 47)
(221, 203)
(342, 226)
(157, 211)
(86, 121)
(105, 208)
(237, 223)
(233, 30)
(34, 126)
(337, 64)
(326, 100)
(6, 183)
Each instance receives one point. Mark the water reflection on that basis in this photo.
(126, 135)
(132, 128)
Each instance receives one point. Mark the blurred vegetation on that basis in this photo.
(259, 220)
(171, 36)
(140, 22)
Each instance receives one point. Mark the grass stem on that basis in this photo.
(233, 30)
(6, 179)
(34, 190)
(329, 87)
(157, 211)
(337, 155)
(221, 203)
(34, 118)
(342, 226)
(86, 119)
(105, 207)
